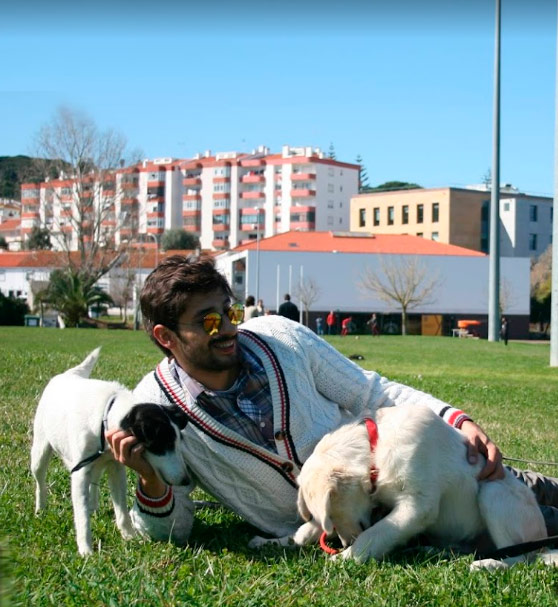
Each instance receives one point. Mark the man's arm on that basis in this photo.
(160, 512)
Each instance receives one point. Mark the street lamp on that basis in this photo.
(258, 254)
(156, 248)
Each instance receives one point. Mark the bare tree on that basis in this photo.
(405, 282)
(79, 163)
(507, 297)
(307, 292)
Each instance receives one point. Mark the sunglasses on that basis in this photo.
(211, 322)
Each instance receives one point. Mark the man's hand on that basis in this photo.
(478, 442)
(128, 451)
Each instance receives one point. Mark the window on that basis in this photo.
(420, 213)
(506, 206)
(330, 204)
(391, 214)
(376, 216)
(532, 242)
(533, 212)
(361, 218)
(330, 188)
(420, 234)
(329, 220)
(435, 212)
(405, 214)
(435, 236)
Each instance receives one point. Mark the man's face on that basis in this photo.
(206, 356)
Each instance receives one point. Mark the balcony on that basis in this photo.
(303, 176)
(191, 182)
(193, 227)
(251, 195)
(129, 185)
(220, 243)
(249, 178)
(221, 195)
(302, 193)
(194, 197)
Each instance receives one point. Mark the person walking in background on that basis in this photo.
(288, 309)
(330, 322)
(320, 325)
(250, 309)
(504, 330)
(346, 325)
(260, 307)
(373, 324)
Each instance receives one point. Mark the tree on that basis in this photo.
(541, 288)
(81, 202)
(72, 294)
(12, 310)
(307, 292)
(331, 153)
(396, 185)
(179, 239)
(363, 185)
(405, 282)
(39, 239)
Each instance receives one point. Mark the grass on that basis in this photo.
(510, 391)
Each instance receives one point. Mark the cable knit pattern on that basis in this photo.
(314, 389)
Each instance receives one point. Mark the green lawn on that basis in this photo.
(510, 391)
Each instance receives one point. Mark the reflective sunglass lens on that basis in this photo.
(211, 323)
(236, 313)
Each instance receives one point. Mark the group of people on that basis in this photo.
(288, 309)
(258, 397)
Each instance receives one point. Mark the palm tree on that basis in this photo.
(72, 294)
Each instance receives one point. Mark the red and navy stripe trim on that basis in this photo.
(215, 434)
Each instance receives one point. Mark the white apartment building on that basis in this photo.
(225, 199)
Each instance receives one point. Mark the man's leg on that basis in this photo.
(545, 489)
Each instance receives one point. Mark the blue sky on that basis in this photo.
(406, 84)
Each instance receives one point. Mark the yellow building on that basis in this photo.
(455, 216)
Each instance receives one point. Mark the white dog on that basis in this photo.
(71, 419)
(418, 471)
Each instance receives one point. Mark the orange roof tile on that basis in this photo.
(10, 225)
(345, 242)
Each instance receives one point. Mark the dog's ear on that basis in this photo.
(178, 416)
(302, 507)
(327, 523)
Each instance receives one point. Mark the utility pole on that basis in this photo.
(554, 294)
(494, 252)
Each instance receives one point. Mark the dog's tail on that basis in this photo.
(84, 369)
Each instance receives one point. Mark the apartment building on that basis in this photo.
(225, 199)
(458, 216)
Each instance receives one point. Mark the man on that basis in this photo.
(257, 398)
(288, 309)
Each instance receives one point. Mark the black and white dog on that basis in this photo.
(71, 419)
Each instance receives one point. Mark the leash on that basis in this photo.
(519, 549)
(100, 452)
(529, 461)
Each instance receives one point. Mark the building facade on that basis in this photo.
(225, 199)
(458, 216)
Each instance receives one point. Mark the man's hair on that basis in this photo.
(287, 297)
(250, 301)
(168, 289)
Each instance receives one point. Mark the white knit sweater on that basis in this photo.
(314, 389)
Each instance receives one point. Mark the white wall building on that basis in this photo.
(336, 264)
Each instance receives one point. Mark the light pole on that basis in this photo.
(258, 255)
(156, 248)
(494, 252)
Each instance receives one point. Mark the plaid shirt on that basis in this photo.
(245, 407)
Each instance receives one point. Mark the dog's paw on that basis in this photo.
(259, 542)
(490, 564)
(549, 557)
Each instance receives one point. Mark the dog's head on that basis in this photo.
(336, 494)
(158, 429)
